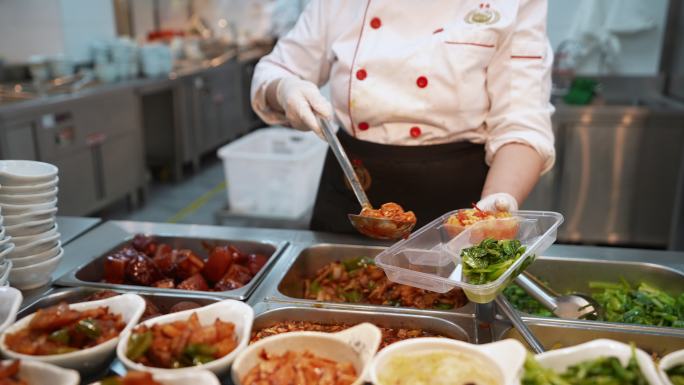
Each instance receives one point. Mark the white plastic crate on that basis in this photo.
(273, 172)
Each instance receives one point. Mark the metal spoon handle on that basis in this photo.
(344, 162)
(506, 308)
(531, 287)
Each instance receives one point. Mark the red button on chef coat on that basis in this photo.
(363, 126)
(415, 132)
(361, 74)
(376, 23)
(422, 82)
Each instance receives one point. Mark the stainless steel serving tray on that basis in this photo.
(390, 320)
(286, 283)
(99, 244)
(557, 333)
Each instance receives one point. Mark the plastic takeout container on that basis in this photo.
(430, 258)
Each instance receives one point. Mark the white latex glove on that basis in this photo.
(498, 202)
(300, 99)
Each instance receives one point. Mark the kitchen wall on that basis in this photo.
(50, 27)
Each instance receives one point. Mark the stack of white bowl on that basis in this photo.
(28, 200)
(6, 247)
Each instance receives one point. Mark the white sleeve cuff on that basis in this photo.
(540, 143)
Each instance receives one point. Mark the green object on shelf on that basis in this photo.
(581, 92)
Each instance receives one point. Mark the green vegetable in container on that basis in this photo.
(601, 371)
(676, 374)
(487, 261)
(353, 296)
(523, 302)
(357, 263)
(89, 327)
(60, 336)
(138, 345)
(197, 354)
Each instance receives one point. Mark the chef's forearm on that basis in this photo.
(272, 96)
(515, 170)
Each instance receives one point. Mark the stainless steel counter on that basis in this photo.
(72, 227)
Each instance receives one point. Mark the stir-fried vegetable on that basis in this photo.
(676, 374)
(644, 305)
(601, 371)
(488, 260)
(523, 302)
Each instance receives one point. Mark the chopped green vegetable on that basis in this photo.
(89, 327)
(352, 296)
(644, 305)
(60, 336)
(443, 306)
(676, 374)
(197, 354)
(315, 287)
(487, 261)
(357, 263)
(522, 301)
(138, 345)
(601, 371)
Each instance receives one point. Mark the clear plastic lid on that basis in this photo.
(431, 257)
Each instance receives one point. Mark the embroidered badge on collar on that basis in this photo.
(483, 15)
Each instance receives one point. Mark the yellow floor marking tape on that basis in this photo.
(197, 203)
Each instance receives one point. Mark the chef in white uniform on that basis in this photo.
(442, 103)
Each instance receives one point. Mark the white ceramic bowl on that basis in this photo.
(10, 209)
(31, 228)
(5, 268)
(669, 361)
(506, 357)
(30, 188)
(228, 310)
(36, 275)
(32, 216)
(10, 300)
(199, 377)
(559, 360)
(37, 258)
(5, 250)
(35, 247)
(25, 199)
(41, 373)
(130, 306)
(24, 240)
(26, 172)
(357, 345)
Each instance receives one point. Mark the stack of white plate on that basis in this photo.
(6, 247)
(28, 200)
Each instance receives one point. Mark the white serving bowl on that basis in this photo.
(200, 377)
(667, 362)
(30, 188)
(10, 209)
(35, 247)
(130, 306)
(55, 252)
(25, 199)
(357, 345)
(559, 360)
(41, 373)
(36, 275)
(10, 300)
(228, 310)
(5, 268)
(31, 228)
(5, 250)
(26, 172)
(507, 356)
(32, 216)
(24, 240)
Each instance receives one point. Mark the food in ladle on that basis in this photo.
(676, 374)
(9, 374)
(359, 280)
(392, 211)
(131, 378)
(490, 224)
(389, 335)
(301, 368)
(60, 329)
(147, 262)
(487, 261)
(438, 367)
(603, 370)
(181, 344)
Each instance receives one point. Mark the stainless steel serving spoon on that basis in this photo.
(378, 228)
(572, 306)
(506, 308)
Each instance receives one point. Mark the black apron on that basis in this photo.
(429, 180)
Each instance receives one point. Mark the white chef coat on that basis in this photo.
(408, 72)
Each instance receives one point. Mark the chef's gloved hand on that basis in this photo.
(301, 99)
(498, 202)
